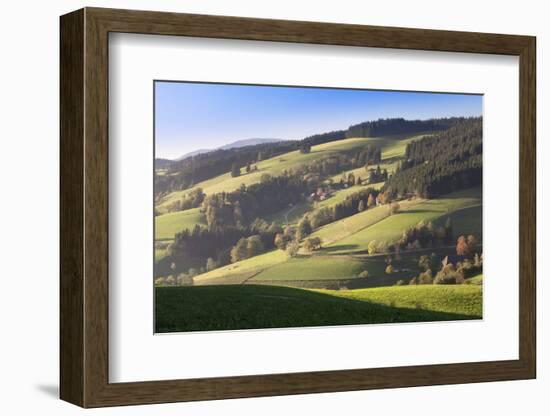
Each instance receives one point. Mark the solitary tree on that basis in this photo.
(351, 179)
(472, 243)
(304, 228)
(372, 247)
(239, 251)
(394, 208)
(425, 262)
(235, 170)
(448, 230)
(210, 264)
(254, 246)
(279, 241)
(292, 248)
(462, 247)
(371, 201)
(287, 232)
(312, 244)
(248, 167)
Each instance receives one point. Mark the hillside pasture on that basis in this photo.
(390, 229)
(312, 268)
(346, 227)
(168, 225)
(243, 270)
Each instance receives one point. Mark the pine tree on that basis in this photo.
(371, 201)
(239, 251)
(462, 248)
(254, 246)
(210, 264)
(235, 170)
(304, 228)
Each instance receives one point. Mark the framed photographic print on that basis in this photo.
(256, 207)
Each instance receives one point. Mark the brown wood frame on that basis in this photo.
(84, 208)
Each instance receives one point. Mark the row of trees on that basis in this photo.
(351, 205)
(395, 126)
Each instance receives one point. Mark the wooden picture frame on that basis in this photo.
(84, 207)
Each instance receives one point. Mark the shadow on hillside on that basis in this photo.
(420, 211)
(208, 308)
(341, 247)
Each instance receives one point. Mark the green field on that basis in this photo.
(346, 227)
(390, 229)
(253, 306)
(313, 268)
(167, 225)
(243, 270)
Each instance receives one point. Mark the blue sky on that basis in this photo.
(191, 116)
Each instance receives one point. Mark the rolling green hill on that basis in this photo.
(391, 147)
(391, 228)
(243, 307)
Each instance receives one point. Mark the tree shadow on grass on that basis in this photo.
(420, 211)
(340, 247)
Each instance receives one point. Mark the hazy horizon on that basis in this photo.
(191, 116)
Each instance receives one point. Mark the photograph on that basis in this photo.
(303, 206)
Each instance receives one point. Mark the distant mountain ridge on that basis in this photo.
(233, 145)
(248, 142)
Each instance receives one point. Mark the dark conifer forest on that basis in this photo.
(442, 163)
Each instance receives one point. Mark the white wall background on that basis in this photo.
(29, 160)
